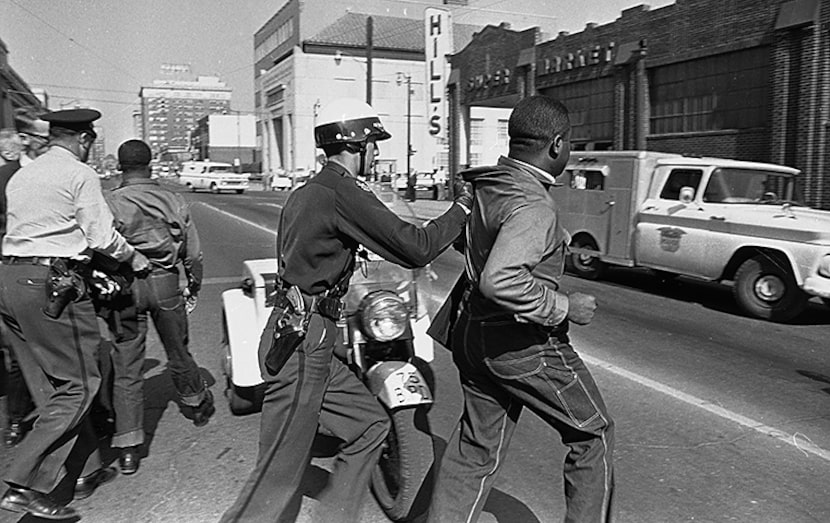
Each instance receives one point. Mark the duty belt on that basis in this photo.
(328, 304)
(27, 260)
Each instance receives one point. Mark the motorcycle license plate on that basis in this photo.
(407, 387)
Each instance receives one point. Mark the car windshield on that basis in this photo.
(730, 185)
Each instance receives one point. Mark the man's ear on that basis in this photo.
(555, 146)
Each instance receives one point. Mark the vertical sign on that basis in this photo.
(438, 33)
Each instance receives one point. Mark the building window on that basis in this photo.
(476, 131)
(727, 91)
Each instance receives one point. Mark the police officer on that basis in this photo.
(157, 222)
(56, 214)
(321, 227)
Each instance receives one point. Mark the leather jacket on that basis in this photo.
(516, 247)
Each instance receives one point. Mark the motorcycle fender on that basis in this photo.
(398, 384)
(244, 330)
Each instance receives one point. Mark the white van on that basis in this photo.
(213, 176)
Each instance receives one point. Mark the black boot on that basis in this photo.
(202, 413)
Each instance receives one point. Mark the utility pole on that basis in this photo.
(370, 46)
(404, 77)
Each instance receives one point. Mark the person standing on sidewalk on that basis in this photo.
(157, 222)
(510, 342)
(51, 318)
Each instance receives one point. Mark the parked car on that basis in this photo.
(709, 218)
(287, 180)
(212, 176)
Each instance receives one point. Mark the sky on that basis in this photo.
(100, 53)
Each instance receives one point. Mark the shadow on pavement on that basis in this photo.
(711, 295)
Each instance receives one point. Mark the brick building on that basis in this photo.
(744, 79)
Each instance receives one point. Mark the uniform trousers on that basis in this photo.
(313, 388)
(505, 366)
(158, 295)
(58, 359)
(18, 400)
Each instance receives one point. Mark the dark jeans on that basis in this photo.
(313, 389)
(158, 295)
(505, 366)
(58, 359)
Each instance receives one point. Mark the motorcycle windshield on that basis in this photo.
(373, 273)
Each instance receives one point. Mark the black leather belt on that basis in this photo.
(27, 260)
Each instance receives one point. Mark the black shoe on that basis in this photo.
(202, 413)
(15, 433)
(36, 504)
(86, 486)
(128, 460)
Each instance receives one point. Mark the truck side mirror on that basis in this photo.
(687, 194)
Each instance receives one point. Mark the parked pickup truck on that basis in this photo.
(709, 218)
(212, 176)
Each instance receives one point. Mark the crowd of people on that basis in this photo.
(116, 257)
(79, 274)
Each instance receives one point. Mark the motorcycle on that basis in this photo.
(382, 337)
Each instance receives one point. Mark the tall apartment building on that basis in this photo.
(170, 110)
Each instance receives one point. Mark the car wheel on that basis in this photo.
(214, 188)
(585, 265)
(191, 187)
(766, 288)
(240, 191)
(826, 301)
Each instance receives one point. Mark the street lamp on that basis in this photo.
(400, 80)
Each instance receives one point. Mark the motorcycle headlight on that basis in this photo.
(824, 266)
(383, 315)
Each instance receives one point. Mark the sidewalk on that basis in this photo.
(424, 209)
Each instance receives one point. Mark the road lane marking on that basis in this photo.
(235, 217)
(793, 440)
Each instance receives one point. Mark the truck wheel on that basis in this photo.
(583, 265)
(404, 463)
(214, 188)
(766, 289)
(240, 191)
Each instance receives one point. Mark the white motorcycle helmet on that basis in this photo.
(348, 121)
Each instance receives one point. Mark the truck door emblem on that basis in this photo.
(670, 238)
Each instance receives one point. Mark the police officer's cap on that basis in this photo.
(78, 120)
(134, 153)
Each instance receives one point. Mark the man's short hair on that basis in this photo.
(535, 122)
(133, 154)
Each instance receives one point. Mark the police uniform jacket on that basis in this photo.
(157, 222)
(325, 221)
(55, 208)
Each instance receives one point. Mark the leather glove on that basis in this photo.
(190, 300)
(463, 192)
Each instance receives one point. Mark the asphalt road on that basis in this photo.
(719, 417)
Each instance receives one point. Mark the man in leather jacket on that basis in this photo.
(510, 340)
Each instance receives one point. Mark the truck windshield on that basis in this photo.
(221, 169)
(730, 185)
